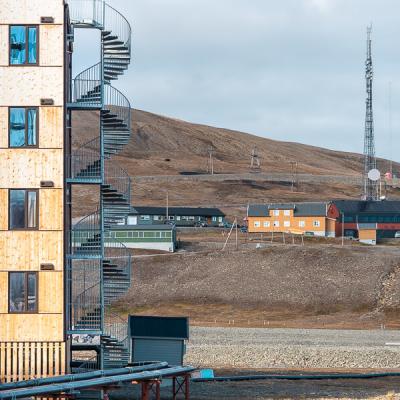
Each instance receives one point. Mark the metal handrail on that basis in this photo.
(117, 178)
(118, 104)
(115, 22)
(86, 12)
(85, 236)
(116, 327)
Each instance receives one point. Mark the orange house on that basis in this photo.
(301, 218)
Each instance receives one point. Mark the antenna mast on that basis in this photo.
(370, 187)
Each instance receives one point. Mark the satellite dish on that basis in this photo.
(374, 175)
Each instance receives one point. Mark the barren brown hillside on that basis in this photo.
(164, 146)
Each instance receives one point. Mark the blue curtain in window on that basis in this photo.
(17, 127)
(32, 57)
(17, 45)
(32, 127)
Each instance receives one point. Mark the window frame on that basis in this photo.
(286, 213)
(317, 223)
(257, 224)
(26, 127)
(26, 228)
(286, 224)
(267, 224)
(275, 213)
(276, 224)
(26, 63)
(27, 273)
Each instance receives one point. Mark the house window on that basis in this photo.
(23, 45)
(267, 224)
(23, 209)
(22, 292)
(171, 217)
(316, 224)
(276, 224)
(23, 127)
(219, 219)
(257, 224)
(275, 213)
(156, 218)
(178, 218)
(286, 213)
(286, 224)
(145, 217)
(302, 224)
(214, 219)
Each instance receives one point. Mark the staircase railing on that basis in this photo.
(87, 12)
(118, 178)
(86, 309)
(116, 23)
(85, 162)
(118, 104)
(85, 236)
(116, 327)
(86, 86)
(118, 255)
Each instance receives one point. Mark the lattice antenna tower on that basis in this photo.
(370, 187)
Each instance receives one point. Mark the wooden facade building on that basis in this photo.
(32, 147)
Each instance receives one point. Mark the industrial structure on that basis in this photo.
(56, 279)
(370, 185)
(368, 221)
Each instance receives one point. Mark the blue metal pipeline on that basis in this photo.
(238, 378)
(100, 382)
(82, 376)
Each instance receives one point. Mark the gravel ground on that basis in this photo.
(292, 348)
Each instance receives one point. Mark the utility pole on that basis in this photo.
(293, 169)
(370, 187)
(167, 208)
(210, 161)
(255, 163)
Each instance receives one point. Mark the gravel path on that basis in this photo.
(292, 348)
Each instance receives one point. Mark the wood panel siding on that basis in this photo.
(294, 224)
(51, 120)
(26, 250)
(4, 32)
(51, 209)
(33, 84)
(32, 327)
(3, 291)
(30, 11)
(29, 360)
(52, 53)
(25, 168)
(51, 299)
(3, 209)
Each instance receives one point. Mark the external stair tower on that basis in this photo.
(99, 267)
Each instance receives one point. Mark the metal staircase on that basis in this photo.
(99, 266)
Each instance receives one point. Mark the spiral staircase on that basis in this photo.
(99, 267)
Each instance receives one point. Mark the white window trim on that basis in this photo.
(286, 224)
(267, 224)
(257, 224)
(302, 224)
(276, 224)
(286, 213)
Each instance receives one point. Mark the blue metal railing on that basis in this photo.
(87, 12)
(118, 104)
(85, 236)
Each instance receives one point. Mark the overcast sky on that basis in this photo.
(290, 70)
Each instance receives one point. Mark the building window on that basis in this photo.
(156, 218)
(145, 217)
(302, 224)
(275, 213)
(23, 209)
(286, 213)
(286, 224)
(257, 224)
(276, 224)
(267, 224)
(214, 219)
(23, 127)
(219, 219)
(171, 217)
(316, 224)
(23, 45)
(22, 292)
(178, 218)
